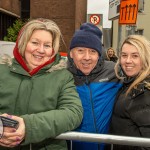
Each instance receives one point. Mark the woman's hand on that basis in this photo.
(11, 136)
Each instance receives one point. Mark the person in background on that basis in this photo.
(96, 83)
(132, 108)
(37, 90)
(111, 55)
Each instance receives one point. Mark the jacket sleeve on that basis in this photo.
(67, 116)
(139, 109)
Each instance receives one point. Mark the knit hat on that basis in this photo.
(88, 36)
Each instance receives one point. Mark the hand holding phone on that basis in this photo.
(8, 122)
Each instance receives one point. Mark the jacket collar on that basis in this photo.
(81, 78)
(140, 88)
(15, 67)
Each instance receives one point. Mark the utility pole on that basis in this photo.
(119, 38)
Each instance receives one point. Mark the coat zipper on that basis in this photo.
(93, 111)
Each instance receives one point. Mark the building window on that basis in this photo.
(5, 22)
(25, 9)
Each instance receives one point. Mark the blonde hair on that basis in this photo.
(39, 24)
(114, 53)
(143, 47)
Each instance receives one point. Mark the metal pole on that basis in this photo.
(105, 138)
(119, 38)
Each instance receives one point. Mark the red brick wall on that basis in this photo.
(12, 6)
(68, 14)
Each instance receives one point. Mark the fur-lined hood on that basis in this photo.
(62, 63)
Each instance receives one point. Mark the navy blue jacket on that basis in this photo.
(97, 92)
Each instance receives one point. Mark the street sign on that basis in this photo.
(128, 11)
(95, 19)
(114, 7)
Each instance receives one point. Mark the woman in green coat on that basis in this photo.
(37, 91)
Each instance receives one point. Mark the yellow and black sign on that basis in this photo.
(128, 11)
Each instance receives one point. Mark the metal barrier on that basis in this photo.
(105, 138)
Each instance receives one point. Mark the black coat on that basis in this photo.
(131, 116)
(114, 59)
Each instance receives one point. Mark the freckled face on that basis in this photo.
(131, 62)
(39, 48)
(85, 59)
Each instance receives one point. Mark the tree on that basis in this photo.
(12, 32)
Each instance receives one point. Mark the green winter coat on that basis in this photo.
(47, 101)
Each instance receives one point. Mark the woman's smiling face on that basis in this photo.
(130, 61)
(39, 49)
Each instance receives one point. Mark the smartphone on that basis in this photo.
(8, 122)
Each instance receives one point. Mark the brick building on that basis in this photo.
(9, 12)
(68, 14)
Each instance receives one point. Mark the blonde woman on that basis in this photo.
(111, 55)
(132, 108)
(37, 91)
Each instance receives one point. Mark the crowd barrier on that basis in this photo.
(105, 138)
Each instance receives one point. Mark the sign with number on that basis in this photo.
(128, 11)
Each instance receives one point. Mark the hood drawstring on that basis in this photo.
(30, 146)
